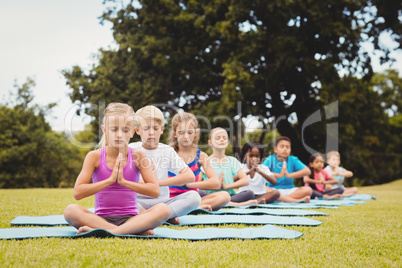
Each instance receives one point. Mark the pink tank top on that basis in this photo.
(116, 200)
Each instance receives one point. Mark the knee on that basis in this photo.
(194, 197)
(276, 194)
(162, 210)
(70, 210)
(307, 190)
(225, 196)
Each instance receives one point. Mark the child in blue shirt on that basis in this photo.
(285, 168)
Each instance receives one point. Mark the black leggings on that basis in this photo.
(242, 196)
(329, 192)
(239, 197)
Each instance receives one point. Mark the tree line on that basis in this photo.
(278, 61)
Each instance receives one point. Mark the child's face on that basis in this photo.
(150, 131)
(253, 157)
(318, 163)
(185, 134)
(219, 139)
(334, 161)
(282, 150)
(118, 130)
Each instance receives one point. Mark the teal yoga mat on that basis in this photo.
(363, 197)
(337, 202)
(264, 232)
(246, 219)
(285, 205)
(260, 211)
(186, 220)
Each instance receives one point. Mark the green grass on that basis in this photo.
(367, 235)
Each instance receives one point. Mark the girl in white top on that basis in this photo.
(258, 174)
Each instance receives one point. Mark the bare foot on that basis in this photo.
(174, 221)
(262, 201)
(206, 207)
(332, 196)
(84, 229)
(149, 232)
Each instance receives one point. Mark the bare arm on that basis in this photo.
(212, 183)
(241, 181)
(305, 171)
(307, 179)
(346, 173)
(83, 186)
(185, 176)
(149, 186)
(270, 178)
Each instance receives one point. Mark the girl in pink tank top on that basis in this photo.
(114, 170)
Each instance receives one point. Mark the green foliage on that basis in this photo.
(350, 237)
(31, 154)
(369, 138)
(267, 58)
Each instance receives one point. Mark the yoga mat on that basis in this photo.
(364, 197)
(260, 211)
(285, 206)
(185, 220)
(245, 219)
(348, 203)
(264, 232)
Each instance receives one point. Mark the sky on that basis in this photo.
(41, 38)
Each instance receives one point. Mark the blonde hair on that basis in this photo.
(113, 109)
(214, 130)
(333, 153)
(149, 112)
(176, 121)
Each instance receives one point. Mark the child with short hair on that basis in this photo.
(149, 126)
(114, 170)
(228, 169)
(258, 174)
(286, 168)
(319, 178)
(184, 138)
(339, 173)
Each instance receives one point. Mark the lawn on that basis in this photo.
(366, 235)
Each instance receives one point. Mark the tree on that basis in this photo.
(31, 154)
(208, 56)
(369, 134)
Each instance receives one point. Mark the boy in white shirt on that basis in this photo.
(149, 126)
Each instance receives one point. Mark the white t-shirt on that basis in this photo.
(165, 159)
(258, 182)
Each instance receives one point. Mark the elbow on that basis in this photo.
(191, 177)
(156, 191)
(78, 196)
(274, 181)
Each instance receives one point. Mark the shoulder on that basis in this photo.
(269, 159)
(135, 145)
(295, 159)
(137, 154)
(325, 173)
(93, 157)
(203, 157)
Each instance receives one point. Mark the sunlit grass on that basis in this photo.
(367, 235)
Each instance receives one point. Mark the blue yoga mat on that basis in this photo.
(264, 232)
(347, 203)
(186, 220)
(260, 211)
(285, 205)
(246, 219)
(364, 197)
